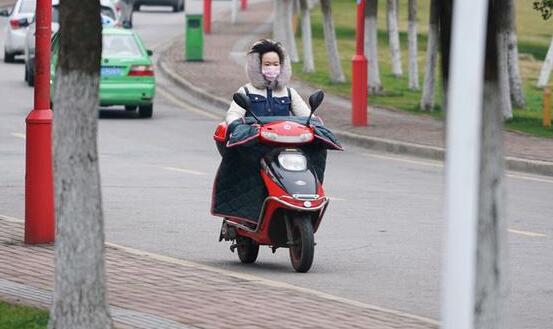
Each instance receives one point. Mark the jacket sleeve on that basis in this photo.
(299, 108)
(235, 111)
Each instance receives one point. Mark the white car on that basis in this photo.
(19, 19)
(107, 9)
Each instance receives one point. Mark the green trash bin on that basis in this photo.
(194, 43)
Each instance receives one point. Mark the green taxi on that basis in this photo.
(126, 74)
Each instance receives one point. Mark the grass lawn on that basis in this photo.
(534, 36)
(20, 317)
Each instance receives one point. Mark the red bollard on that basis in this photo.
(243, 4)
(359, 83)
(39, 189)
(207, 16)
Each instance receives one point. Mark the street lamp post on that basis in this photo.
(359, 72)
(39, 190)
(207, 16)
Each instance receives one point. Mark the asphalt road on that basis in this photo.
(380, 242)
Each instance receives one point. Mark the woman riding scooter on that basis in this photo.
(269, 187)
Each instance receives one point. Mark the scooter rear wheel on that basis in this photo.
(247, 249)
(303, 250)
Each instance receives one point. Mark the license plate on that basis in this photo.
(106, 71)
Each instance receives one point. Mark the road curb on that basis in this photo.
(374, 143)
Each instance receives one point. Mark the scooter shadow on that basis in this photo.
(257, 267)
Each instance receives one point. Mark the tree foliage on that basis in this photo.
(545, 7)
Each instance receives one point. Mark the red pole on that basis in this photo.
(359, 72)
(39, 190)
(207, 16)
(243, 4)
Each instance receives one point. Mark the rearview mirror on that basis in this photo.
(149, 52)
(242, 100)
(316, 99)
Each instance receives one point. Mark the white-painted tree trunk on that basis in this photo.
(393, 37)
(307, 39)
(371, 47)
(428, 90)
(546, 68)
(515, 80)
(491, 269)
(282, 28)
(504, 93)
(336, 72)
(80, 300)
(279, 25)
(491, 252)
(413, 46)
(233, 11)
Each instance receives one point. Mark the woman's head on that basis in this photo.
(268, 65)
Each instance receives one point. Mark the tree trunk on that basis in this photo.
(413, 51)
(336, 72)
(491, 235)
(546, 68)
(504, 33)
(427, 98)
(279, 29)
(445, 15)
(282, 28)
(80, 293)
(515, 80)
(307, 39)
(371, 47)
(393, 37)
(504, 94)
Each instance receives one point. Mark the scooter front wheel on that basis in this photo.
(247, 249)
(303, 248)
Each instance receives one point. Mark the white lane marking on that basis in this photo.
(438, 164)
(527, 233)
(270, 283)
(187, 107)
(186, 171)
(19, 135)
(530, 178)
(428, 163)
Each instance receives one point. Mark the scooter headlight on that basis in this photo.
(292, 161)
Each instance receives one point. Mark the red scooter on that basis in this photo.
(295, 203)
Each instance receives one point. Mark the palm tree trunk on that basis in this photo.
(427, 98)
(393, 36)
(413, 51)
(371, 46)
(307, 39)
(80, 293)
(336, 72)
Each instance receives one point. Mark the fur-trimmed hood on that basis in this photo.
(253, 70)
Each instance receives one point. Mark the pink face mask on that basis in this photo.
(270, 72)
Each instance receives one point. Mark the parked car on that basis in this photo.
(178, 5)
(127, 72)
(19, 19)
(107, 10)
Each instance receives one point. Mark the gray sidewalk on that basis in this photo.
(150, 291)
(222, 72)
